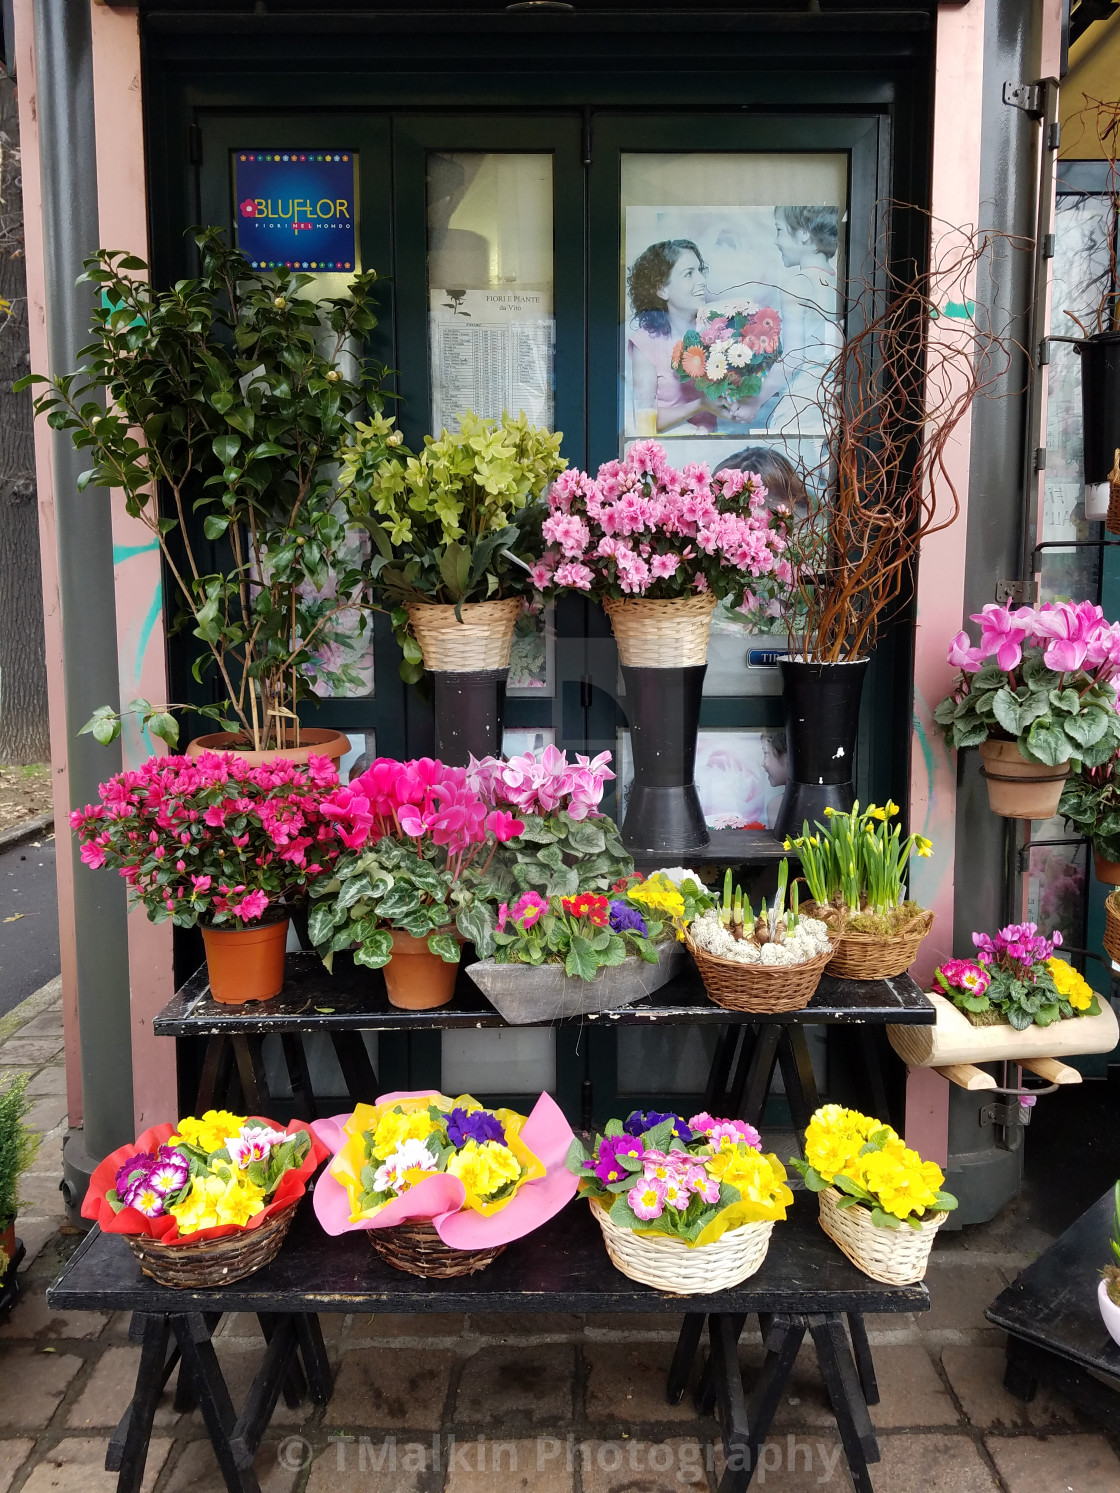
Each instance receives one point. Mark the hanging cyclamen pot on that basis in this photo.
(468, 656)
(822, 721)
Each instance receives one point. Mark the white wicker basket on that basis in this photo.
(896, 1256)
(670, 1265)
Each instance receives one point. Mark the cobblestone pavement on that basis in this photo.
(556, 1404)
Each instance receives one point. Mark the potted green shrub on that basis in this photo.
(456, 529)
(19, 1145)
(1090, 804)
(229, 396)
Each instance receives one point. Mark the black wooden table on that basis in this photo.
(805, 1286)
(353, 999)
(1055, 1334)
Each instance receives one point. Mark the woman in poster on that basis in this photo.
(668, 285)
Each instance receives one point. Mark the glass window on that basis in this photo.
(521, 1060)
(490, 286)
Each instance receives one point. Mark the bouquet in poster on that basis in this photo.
(731, 350)
(202, 1178)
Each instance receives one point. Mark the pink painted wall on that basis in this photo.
(37, 322)
(123, 221)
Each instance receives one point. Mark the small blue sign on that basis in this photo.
(297, 209)
(765, 658)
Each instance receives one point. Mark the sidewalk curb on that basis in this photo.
(30, 829)
(36, 1003)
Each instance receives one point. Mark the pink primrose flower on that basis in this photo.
(647, 1199)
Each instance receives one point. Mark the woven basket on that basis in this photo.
(481, 641)
(764, 988)
(867, 956)
(212, 1262)
(662, 634)
(415, 1247)
(1112, 925)
(670, 1265)
(897, 1257)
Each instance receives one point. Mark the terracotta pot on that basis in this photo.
(415, 978)
(245, 964)
(1106, 871)
(313, 741)
(8, 1245)
(1018, 789)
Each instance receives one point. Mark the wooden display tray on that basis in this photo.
(953, 1038)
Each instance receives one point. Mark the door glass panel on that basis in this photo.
(730, 307)
(490, 285)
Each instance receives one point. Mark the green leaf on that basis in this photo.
(454, 567)
(581, 963)
(1047, 743)
(214, 525)
(446, 946)
(226, 448)
(586, 838)
(166, 727)
(376, 950)
(320, 923)
(477, 923)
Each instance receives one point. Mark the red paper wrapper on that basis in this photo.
(165, 1228)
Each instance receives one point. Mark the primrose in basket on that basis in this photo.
(856, 866)
(218, 1170)
(693, 1180)
(395, 1145)
(869, 1165)
(779, 935)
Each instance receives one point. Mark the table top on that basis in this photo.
(1054, 1302)
(561, 1267)
(726, 847)
(353, 998)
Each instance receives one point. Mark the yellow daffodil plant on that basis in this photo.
(870, 1165)
(393, 1145)
(857, 864)
(659, 1174)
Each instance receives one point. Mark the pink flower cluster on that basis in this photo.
(964, 974)
(669, 1180)
(1072, 635)
(210, 837)
(543, 787)
(643, 528)
(423, 800)
(1018, 948)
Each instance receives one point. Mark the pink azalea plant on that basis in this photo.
(210, 839)
(644, 528)
(419, 837)
(1042, 676)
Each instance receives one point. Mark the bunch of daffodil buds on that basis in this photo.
(858, 860)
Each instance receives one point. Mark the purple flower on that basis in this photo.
(477, 1125)
(608, 1168)
(639, 1121)
(171, 1172)
(132, 1173)
(626, 919)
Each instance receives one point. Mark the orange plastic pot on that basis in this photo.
(245, 964)
(415, 978)
(313, 741)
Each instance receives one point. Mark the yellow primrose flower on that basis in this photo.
(659, 893)
(211, 1132)
(393, 1128)
(1071, 984)
(486, 1169)
(215, 1200)
(903, 1183)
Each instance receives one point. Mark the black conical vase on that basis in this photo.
(822, 720)
(663, 814)
(469, 711)
(1100, 403)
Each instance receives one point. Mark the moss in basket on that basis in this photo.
(19, 1145)
(868, 1163)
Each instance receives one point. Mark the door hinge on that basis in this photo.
(1030, 97)
(1040, 458)
(1014, 592)
(1047, 246)
(1054, 135)
(194, 144)
(1043, 352)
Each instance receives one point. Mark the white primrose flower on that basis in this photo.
(410, 1156)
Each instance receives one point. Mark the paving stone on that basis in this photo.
(371, 1464)
(77, 1465)
(632, 1465)
(39, 1194)
(405, 1324)
(47, 1024)
(959, 1294)
(47, 1113)
(32, 1318)
(49, 1080)
(627, 1383)
(915, 1464)
(36, 1234)
(526, 1385)
(383, 1387)
(911, 1391)
(797, 1462)
(13, 1454)
(1058, 1464)
(110, 1387)
(34, 1382)
(510, 1467)
(197, 1471)
(31, 1052)
(976, 1374)
(240, 1361)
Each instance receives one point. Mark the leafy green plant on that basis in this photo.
(19, 1145)
(229, 395)
(458, 521)
(1091, 805)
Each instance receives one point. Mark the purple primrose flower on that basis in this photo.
(608, 1168)
(477, 1125)
(626, 919)
(639, 1121)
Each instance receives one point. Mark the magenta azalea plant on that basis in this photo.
(643, 528)
(1041, 676)
(210, 839)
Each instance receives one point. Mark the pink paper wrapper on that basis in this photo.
(547, 1134)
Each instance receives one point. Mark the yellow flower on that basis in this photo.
(211, 1132)
(484, 1170)
(901, 1182)
(217, 1199)
(836, 1136)
(659, 893)
(393, 1128)
(1071, 984)
(923, 847)
(875, 813)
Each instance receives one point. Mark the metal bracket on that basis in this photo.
(1030, 97)
(1014, 592)
(1006, 1114)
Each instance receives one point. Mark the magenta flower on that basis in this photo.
(1002, 632)
(528, 910)
(607, 1166)
(962, 655)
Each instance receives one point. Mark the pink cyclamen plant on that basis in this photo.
(210, 839)
(641, 527)
(546, 786)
